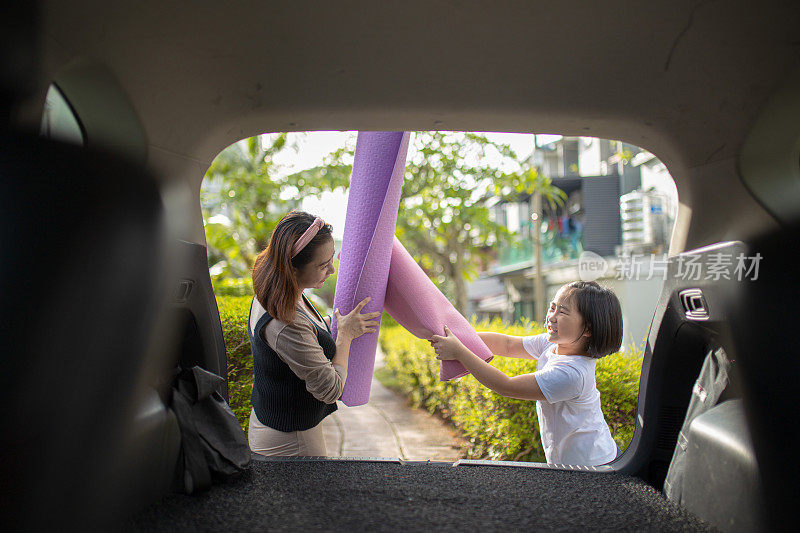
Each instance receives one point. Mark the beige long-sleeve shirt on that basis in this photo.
(296, 344)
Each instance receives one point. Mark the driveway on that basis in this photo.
(387, 427)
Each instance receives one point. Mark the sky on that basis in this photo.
(332, 206)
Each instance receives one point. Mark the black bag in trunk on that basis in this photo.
(213, 444)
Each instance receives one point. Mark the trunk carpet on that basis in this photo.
(291, 495)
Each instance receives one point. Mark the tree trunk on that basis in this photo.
(458, 278)
(538, 281)
(461, 294)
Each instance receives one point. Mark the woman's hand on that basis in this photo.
(354, 324)
(447, 347)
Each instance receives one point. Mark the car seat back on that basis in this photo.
(83, 279)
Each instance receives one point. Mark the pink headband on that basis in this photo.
(306, 237)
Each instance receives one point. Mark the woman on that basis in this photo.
(299, 371)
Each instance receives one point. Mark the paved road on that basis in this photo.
(387, 427)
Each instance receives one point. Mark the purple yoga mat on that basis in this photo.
(374, 197)
(414, 301)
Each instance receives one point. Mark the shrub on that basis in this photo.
(497, 427)
(233, 312)
(233, 287)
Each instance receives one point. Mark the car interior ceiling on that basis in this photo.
(106, 283)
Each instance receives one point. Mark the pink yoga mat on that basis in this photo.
(374, 196)
(414, 301)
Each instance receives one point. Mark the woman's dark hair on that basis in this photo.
(274, 281)
(602, 316)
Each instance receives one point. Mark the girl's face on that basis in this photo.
(314, 274)
(565, 326)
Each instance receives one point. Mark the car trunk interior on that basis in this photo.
(161, 89)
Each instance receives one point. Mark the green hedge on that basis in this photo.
(233, 287)
(497, 427)
(233, 311)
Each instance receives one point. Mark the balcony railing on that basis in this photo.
(555, 247)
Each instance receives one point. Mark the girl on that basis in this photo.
(584, 323)
(299, 370)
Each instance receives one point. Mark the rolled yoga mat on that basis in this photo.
(375, 186)
(414, 301)
(374, 263)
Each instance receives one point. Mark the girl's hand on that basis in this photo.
(447, 347)
(354, 324)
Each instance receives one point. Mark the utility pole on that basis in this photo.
(538, 281)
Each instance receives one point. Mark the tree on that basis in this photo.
(444, 218)
(539, 187)
(245, 193)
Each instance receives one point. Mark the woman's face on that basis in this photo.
(565, 325)
(314, 274)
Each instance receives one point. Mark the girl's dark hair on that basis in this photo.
(274, 282)
(602, 316)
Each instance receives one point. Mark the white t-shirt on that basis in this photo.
(571, 422)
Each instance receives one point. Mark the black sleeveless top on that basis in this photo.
(280, 399)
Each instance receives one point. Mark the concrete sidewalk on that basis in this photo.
(387, 427)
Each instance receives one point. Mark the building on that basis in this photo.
(646, 223)
(606, 212)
